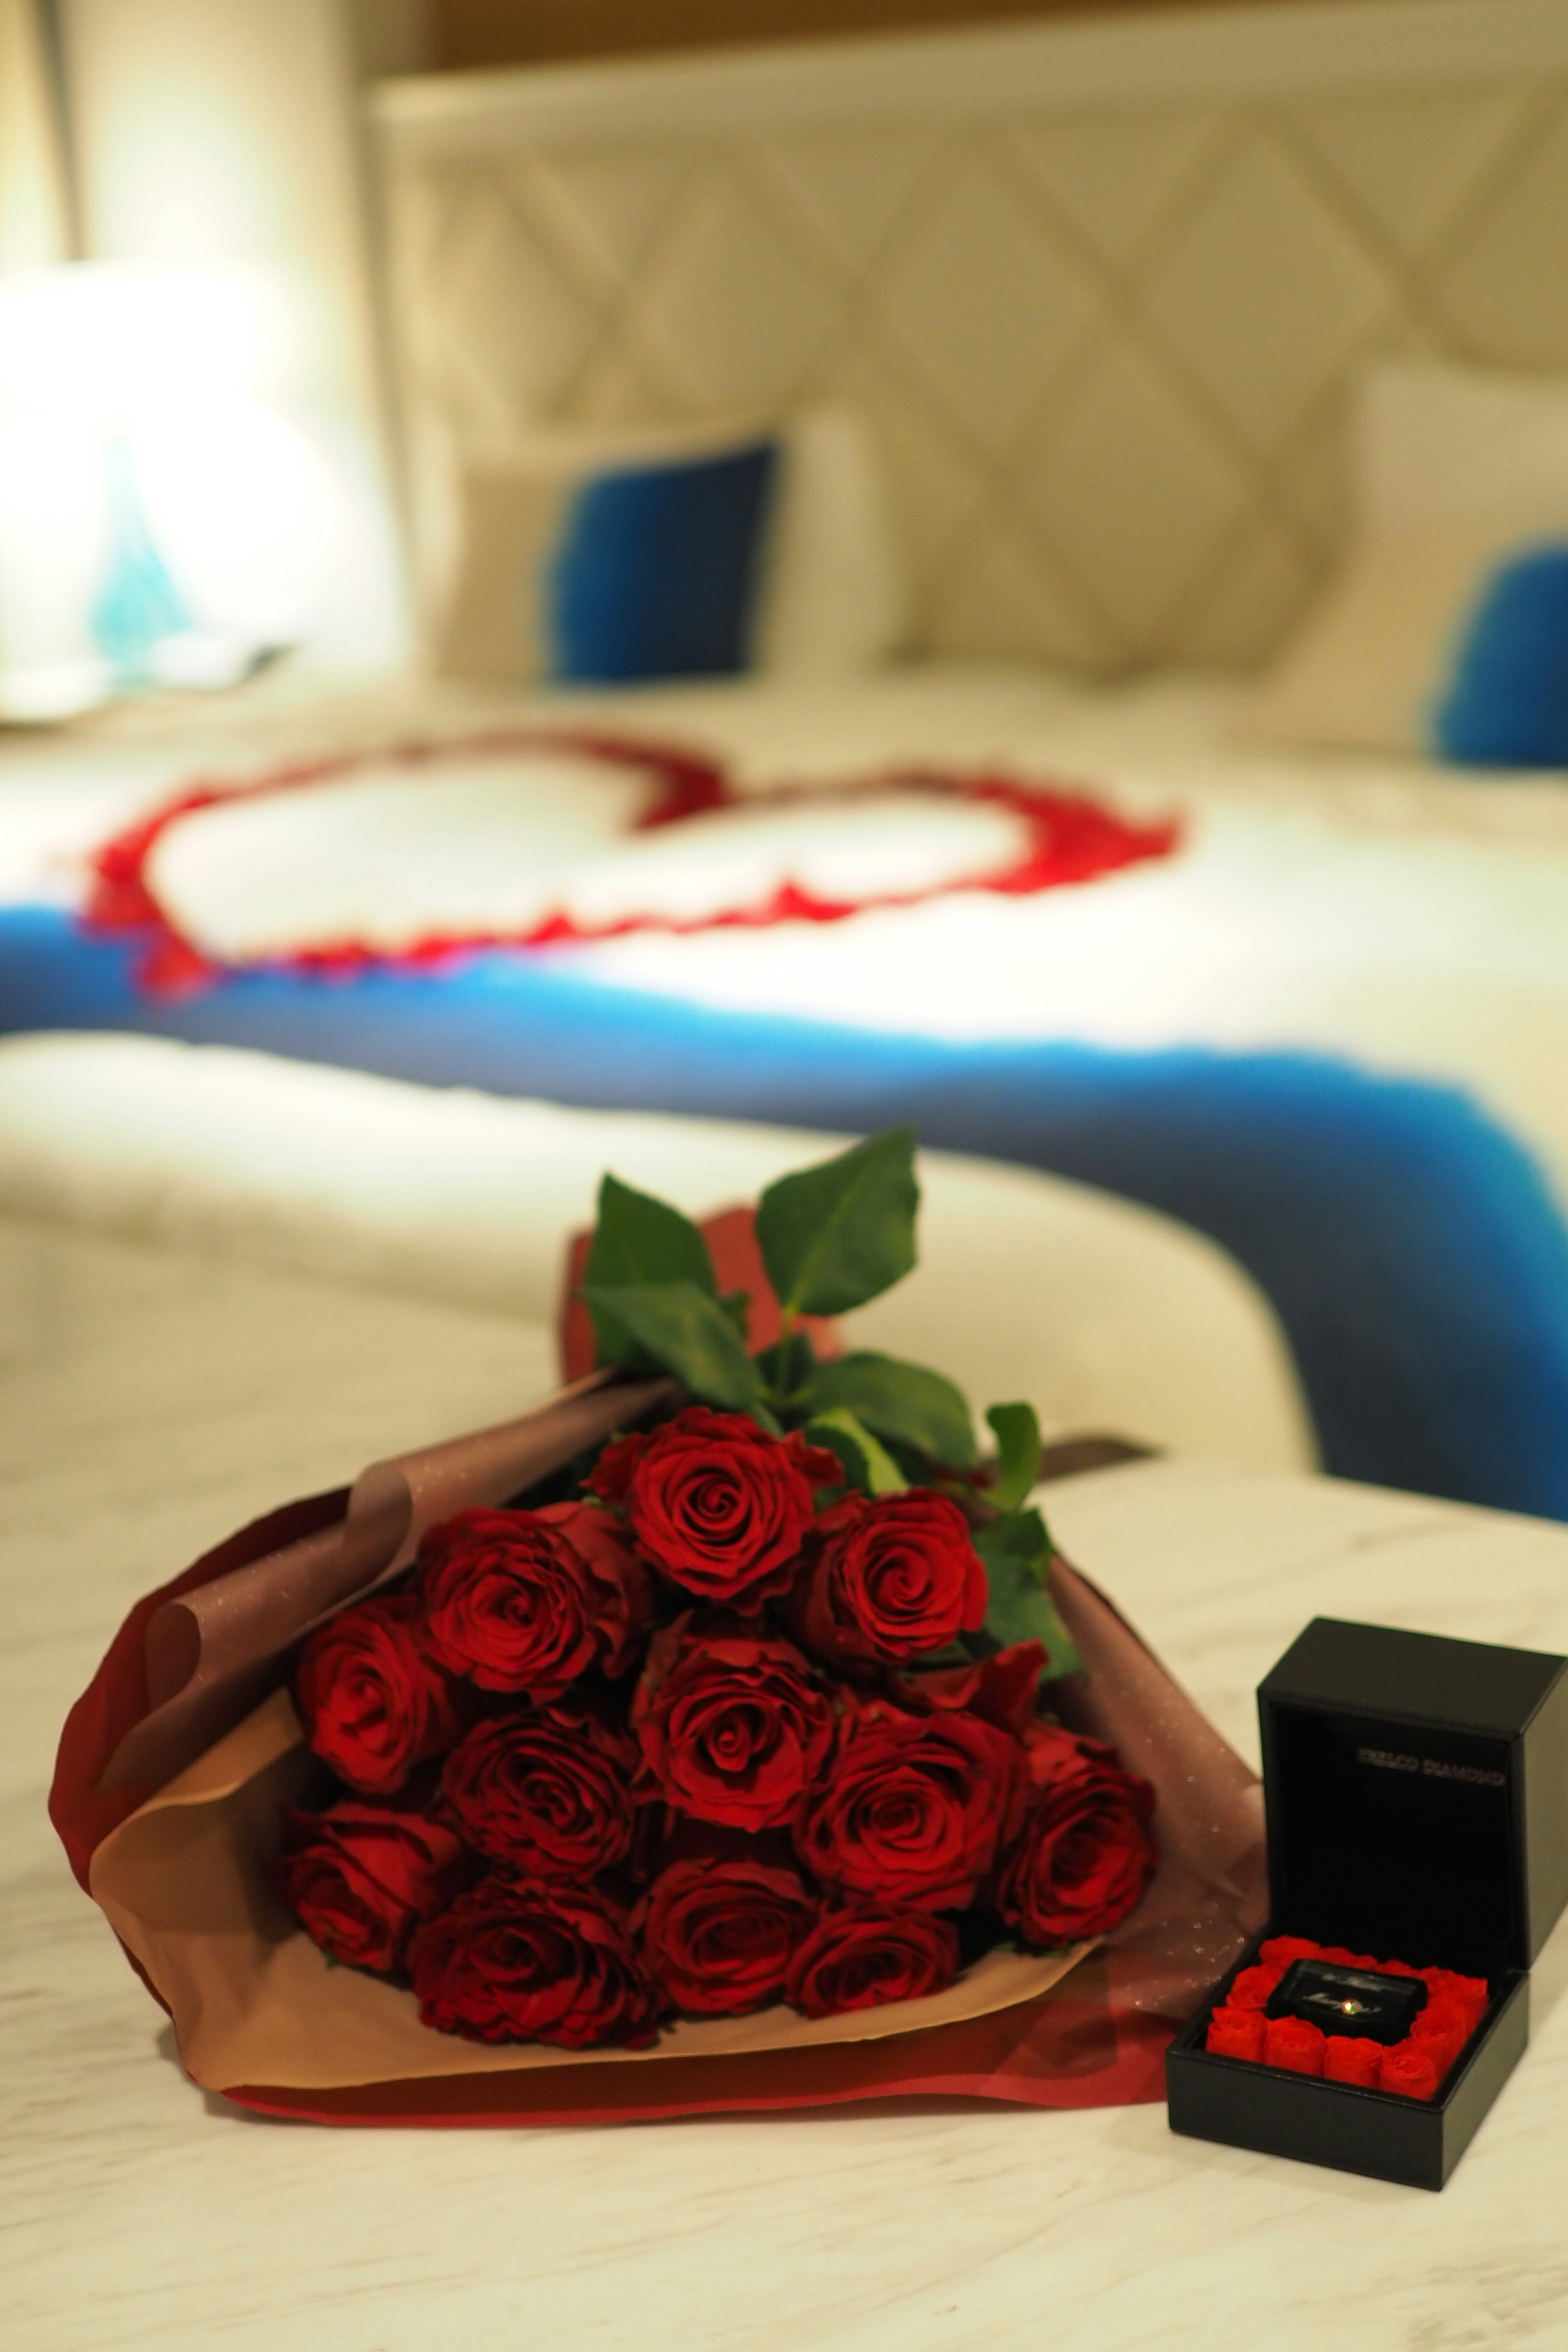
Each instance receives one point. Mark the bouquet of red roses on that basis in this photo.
(742, 1707)
(722, 1733)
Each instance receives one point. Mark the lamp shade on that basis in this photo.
(168, 508)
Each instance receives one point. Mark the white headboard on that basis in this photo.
(1101, 289)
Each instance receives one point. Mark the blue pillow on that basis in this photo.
(658, 568)
(1507, 701)
(609, 555)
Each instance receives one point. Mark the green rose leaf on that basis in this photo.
(835, 1235)
(688, 1333)
(1017, 1434)
(787, 1366)
(904, 1403)
(1017, 1551)
(865, 1464)
(736, 1307)
(639, 1240)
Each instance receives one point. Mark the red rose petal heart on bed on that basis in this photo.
(412, 856)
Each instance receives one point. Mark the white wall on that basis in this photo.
(218, 131)
(33, 215)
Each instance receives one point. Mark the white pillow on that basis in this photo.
(1446, 630)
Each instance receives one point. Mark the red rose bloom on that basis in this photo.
(549, 1793)
(1408, 2068)
(913, 1808)
(1251, 1990)
(891, 1579)
(510, 1962)
(1084, 1854)
(859, 1956)
(734, 1726)
(1470, 1992)
(1351, 2058)
(1280, 1950)
(1441, 2029)
(527, 1600)
(373, 1702)
(1294, 2043)
(716, 1504)
(719, 1932)
(1236, 2033)
(360, 1877)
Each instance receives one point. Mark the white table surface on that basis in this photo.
(148, 1404)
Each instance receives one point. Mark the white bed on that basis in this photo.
(1329, 1029)
(1101, 292)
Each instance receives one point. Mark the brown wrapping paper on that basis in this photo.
(184, 1884)
(211, 1653)
(184, 1879)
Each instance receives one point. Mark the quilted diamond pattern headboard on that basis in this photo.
(1102, 289)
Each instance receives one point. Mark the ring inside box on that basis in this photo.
(1373, 2007)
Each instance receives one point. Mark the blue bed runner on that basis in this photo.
(1410, 1247)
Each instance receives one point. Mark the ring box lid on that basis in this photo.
(1417, 1791)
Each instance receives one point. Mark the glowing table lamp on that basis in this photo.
(138, 457)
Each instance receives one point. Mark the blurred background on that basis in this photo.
(198, 446)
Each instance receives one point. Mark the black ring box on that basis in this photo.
(1417, 1793)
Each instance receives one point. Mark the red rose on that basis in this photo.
(510, 1962)
(1253, 1989)
(360, 1878)
(1408, 2068)
(717, 1505)
(719, 1932)
(1470, 1992)
(527, 1600)
(1280, 1950)
(549, 1793)
(733, 1725)
(1236, 2033)
(914, 1807)
(891, 1579)
(1351, 2058)
(373, 1701)
(860, 1958)
(1294, 2043)
(1084, 1854)
(1441, 2029)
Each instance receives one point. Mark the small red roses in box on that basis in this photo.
(1415, 2067)
(736, 1720)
